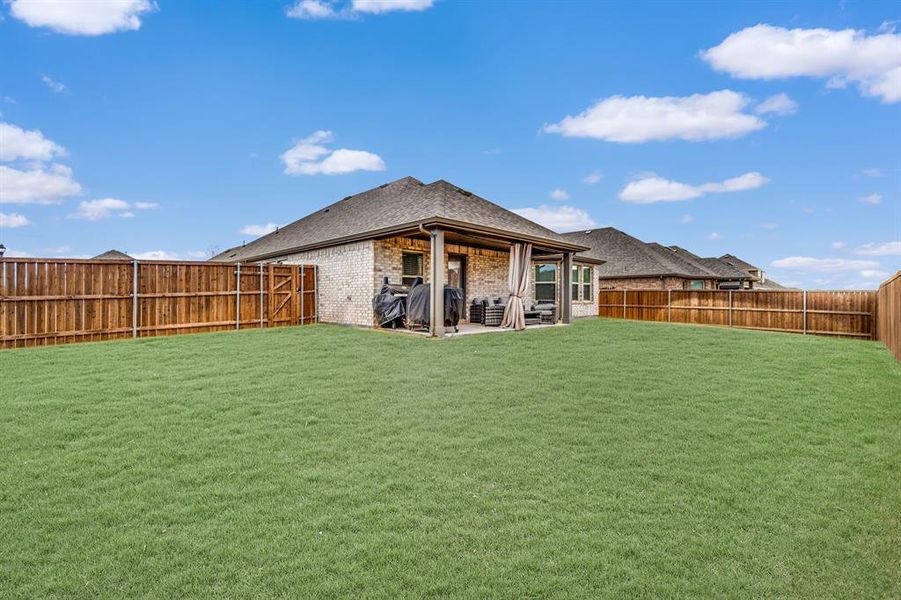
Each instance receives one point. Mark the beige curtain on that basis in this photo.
(517, 283)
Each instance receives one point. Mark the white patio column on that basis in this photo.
(436, 279)
(566, 294)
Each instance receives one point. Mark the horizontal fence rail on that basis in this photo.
(58, 301)
(888, 325)
(850, 314)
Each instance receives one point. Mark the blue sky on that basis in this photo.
(770, 131)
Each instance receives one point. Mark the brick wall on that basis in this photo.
(345, 281)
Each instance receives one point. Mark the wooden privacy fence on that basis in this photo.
(57, 301)
(889, 314)
(849, 314)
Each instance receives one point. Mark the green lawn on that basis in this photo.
(605, 459)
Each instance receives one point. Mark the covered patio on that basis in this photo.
(477, 260)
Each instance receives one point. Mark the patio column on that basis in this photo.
(436, 279)
(566, 294)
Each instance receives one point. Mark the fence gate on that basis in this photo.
(284, 295)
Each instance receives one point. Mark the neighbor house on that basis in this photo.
(397, 229)
(631, 263)
(112, 255)
(758, 276)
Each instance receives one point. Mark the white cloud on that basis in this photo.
(873, 62)
(558, 218)
(838, 245)
(651, 188)
(779, 104)
(94, 210)
(558, 194)
(714, 236)
(331, 9)
(769, 226)
(258, 230)
(879, 249)
(872, 172)
(13, 220)
(873, 198)
(593, 177)
(383, 6)
(636, 119)
(82, 17)
(873, 274)
(155, 255)
(686, 219)
(807, 263)
(309, 157)
(54, 85)
(37, 186)
(17, 143)
(12, 253)
(198, 254)
(146, 205)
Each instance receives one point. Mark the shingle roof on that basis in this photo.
(404, 202)
(629, 256)
(717, 267)
(112, 255)
(738, 263)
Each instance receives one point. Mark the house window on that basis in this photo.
(586, 284)
(411, 267)
(546, 282)
(575, 284)
(696, 284)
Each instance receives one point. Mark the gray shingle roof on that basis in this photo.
(738, 263)
(629, 256)
(404, 202)
(112, 255)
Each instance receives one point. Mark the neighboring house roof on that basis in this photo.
(391, 208)
(112, 255)
(718, 268)
(628, 256)
(739, 263)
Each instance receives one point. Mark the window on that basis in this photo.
(586, 285)
(696, 284)
(411, 267)
(546, 282)
(575, 284)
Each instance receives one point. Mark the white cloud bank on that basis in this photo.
(558, 218)
(309, 157)
(258, 230)
(12, 221)
(42, 185)
(636, 119)
(94, 210)
(329, 9)
(651, 188)
(825, 265)
(82, 17)
(872, 62)
(20, 144)
(873, 199)
(877, 249)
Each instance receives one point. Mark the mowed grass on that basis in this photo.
(608, 458)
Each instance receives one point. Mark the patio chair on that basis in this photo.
(494, 313)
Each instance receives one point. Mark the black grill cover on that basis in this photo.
(419, 305)
(389, 308)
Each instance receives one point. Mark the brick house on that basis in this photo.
(396, 229)
(631, 263)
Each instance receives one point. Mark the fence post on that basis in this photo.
(804, 312)
(238, 298)
(669, 306)
(134, 298)
(316, 292)
(624, 303)
(730, 308)
(303, 272)
(261, 294)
